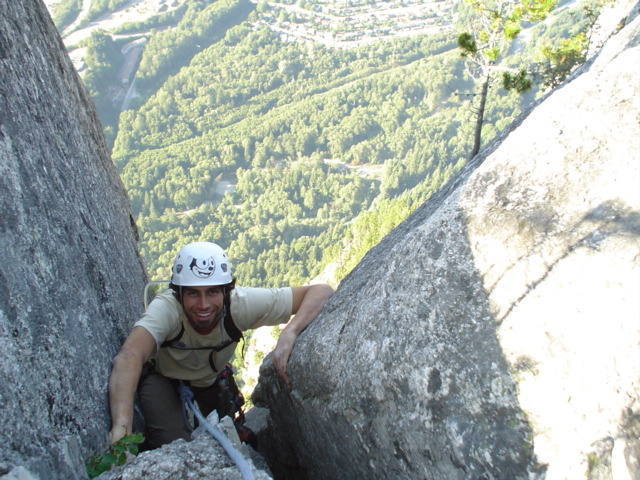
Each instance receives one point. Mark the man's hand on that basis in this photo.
(307, 303)
(117, 432)
(127, 367)
(281, 354)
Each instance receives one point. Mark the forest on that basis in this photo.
(266, 116)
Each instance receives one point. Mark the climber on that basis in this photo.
(189, 332)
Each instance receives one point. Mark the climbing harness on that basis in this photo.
(186, 395)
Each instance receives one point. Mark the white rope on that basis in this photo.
(187, 397)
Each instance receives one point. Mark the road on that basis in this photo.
(84, 11)
(135, 10)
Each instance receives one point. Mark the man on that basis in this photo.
(189, 333)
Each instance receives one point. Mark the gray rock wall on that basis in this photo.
(201, 458)
(495, 333)
(71, 279)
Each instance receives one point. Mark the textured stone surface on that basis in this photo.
(70, 279)
(495, 333)
(200, 458)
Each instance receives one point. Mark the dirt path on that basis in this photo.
(135, 10)
(84, 11)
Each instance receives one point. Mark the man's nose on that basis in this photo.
(202, 301)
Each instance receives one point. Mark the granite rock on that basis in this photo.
(202, 457)
(71, 279)
(495, 333)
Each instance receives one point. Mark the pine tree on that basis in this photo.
(495, 25)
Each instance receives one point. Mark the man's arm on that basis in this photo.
(307, 303)
(127, 366)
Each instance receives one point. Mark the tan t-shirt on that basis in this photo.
(250, 308)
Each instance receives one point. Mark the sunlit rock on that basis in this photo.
(495, 333)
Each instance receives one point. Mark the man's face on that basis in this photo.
(202, 306)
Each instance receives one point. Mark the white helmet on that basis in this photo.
(200, 264)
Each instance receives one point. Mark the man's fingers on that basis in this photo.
(117, 433)
(280, 362)
(282, 373)
(281, 355)
(285, 378)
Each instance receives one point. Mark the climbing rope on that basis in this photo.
(186, 395)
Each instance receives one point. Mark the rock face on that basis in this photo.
(495, 333)
(201, 458)
(71, 279)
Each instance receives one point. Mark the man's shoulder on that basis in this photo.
(244, 293)
(255, 306)
(165, 300)
(163, 315)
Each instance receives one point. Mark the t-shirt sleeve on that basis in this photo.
(161, 319)
(257, 307)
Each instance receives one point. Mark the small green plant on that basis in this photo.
(116, 455)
